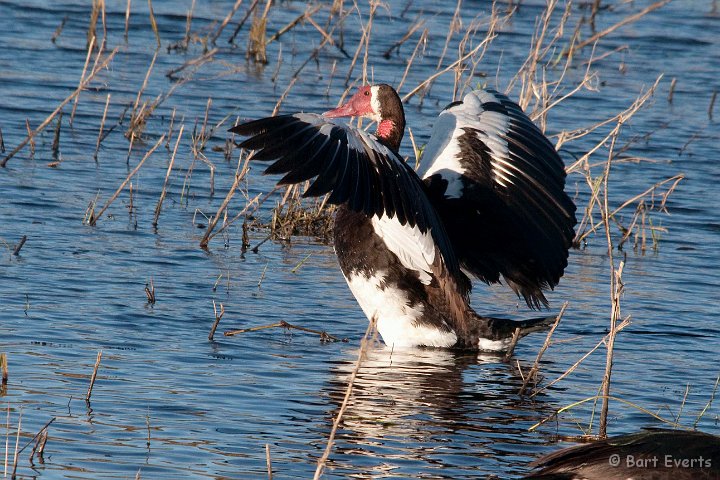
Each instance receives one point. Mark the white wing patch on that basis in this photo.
(414, 249)
(443, 152)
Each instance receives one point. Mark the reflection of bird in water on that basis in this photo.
(488, 201)
(655, 454)
(441, 412)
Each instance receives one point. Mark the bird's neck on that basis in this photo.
(390, 132)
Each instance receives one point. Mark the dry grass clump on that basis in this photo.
(293, 217)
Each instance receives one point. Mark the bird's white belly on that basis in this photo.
(397, 320)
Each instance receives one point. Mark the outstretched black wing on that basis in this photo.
(498, 185)
(354, 168)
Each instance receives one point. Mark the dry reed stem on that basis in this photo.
(7, 440)
(90, 47)
(3, 369)
(421, 41)
(150, 291)
(127, 19)
(541, 352)
(55, 148)
(283, 96)
(324, 336)
(95, 218)
(41, 435)
(455, 26)
(364, 42)
(218, 317)
(59, 29)
(711, 107)
(57, 110)
(625, 21)
(708, 404)
(620, 119)
(348, 391)
(102, 127)
(623, 324)
(396, 46)
(267, 461)
(244, 19)
(16, 454)
(32, 141)
(327, 37)
(153, 24)
(158, 207)
(197, 62)
(231, 192)
(513, 344)
(16, 252)
(94, 376)
(307, 14)
(457, 62)
(595, 398)
(225, 21)
(136, 118)
(257, 42)
(616, 286)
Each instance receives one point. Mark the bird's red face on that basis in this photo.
(363, 104)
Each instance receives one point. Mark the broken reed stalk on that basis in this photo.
(513, 344)
(94, 376)
(127, 19)
(95, 218)
(59, 29)
(267, 461)
(57, 110)
(324, 336)
(3, 369)
(150, 292)
(218, 317)
(102, 127)
(158, 207)
(17, 444)
(18, 247)
(711, 107)
(534, 369)
(364, 344)
(42, 431)
(55, 148)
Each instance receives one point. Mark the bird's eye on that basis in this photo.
(367, 92)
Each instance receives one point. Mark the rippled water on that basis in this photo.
(209, 408)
